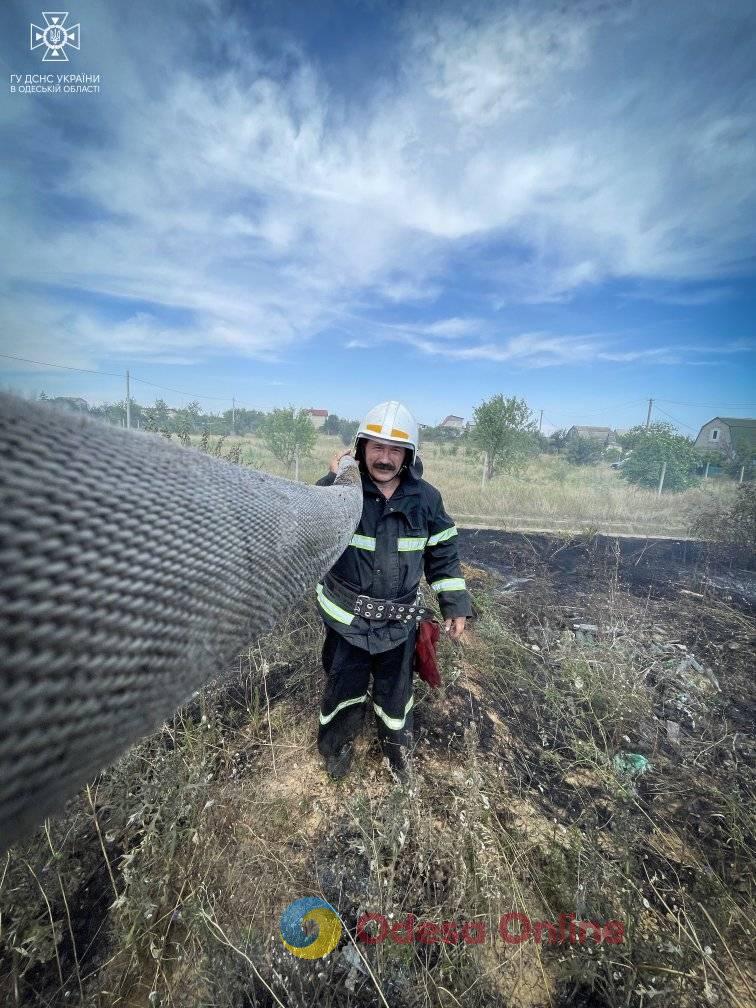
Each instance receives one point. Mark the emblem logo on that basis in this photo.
(54, 36)
(317, 911)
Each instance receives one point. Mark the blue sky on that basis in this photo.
(329, 204)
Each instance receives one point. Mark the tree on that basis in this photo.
(503, 429)
(288, 432)
(439, 433)
(347, 431)
(156, 417)
(246, 421)
(583, 451)
(651, 447)
(331, 424)
(189, 419)
(558, 439)
(115, 413)
(539, 443)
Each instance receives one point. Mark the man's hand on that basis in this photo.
(455, 627)
(336, 458)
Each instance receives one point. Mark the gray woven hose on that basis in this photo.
(131, 572)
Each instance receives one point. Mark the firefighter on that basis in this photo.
(370, 599)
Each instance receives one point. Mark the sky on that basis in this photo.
(332, 204)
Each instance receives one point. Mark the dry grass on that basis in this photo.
(164, 883)
(550, 493)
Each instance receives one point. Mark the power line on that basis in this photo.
(64, 367)
(191, 395)
(113, 374)
(674, 419)
(548, 421)
(605, 409)
(672, 402)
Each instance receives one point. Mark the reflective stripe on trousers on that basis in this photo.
(349, 670)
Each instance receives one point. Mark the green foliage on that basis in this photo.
(112, 413)
(728, 521)
(583, 451)
(288, 431)
(347, 430)
(245, 421)
(540, 443)
(738, 460)
(217, 448)
(189, 418)
(442, 434)
(558, 439)
(503, 429)
(651, 447)
(156, 417)
(331, 425)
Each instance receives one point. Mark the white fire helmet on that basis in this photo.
(390, 421)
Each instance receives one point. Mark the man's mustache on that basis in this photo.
(383, 467)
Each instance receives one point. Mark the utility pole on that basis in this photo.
(648, 415)
(128, 402)
(540, 422)
(233, 416)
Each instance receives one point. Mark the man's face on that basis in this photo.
(383, 460)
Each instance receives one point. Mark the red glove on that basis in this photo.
(425, 652)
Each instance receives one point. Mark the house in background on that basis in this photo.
(318, 416)
(67, 402)
(732, 437)
(453, 422)
(604, 435)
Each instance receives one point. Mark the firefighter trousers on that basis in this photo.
(348, 670)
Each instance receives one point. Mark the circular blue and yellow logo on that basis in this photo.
(304, 946)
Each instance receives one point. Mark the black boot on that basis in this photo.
(399, 761)
(339, 764)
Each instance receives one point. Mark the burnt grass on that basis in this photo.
(582, 650)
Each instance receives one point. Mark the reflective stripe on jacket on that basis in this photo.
(397, 541)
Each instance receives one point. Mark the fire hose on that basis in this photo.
(132, 571)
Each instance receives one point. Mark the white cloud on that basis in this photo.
(549, 148)
(484, 68)
(543, 349)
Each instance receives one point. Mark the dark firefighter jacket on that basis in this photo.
(396, 541)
